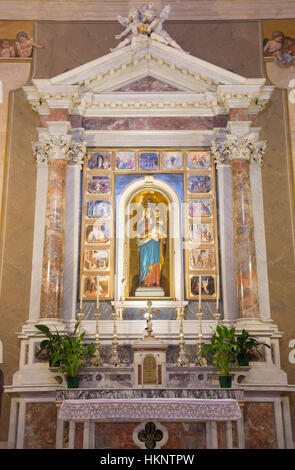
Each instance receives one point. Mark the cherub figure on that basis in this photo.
(156, 24)
(24, 45)
(144, 23)
(132, 24)
(6, 49)
(274, 47)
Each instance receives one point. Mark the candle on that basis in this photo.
(97, 293)
(115, 285)
(123, 289)
(217, 292)
(200, 290)
(81, 292)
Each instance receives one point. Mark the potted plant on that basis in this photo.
(223, 347)
(50, 347)
(246, 344)
(68, 353)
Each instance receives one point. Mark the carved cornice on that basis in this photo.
(254, 97)
(43, 96)
(58, 147)
(238, 147)
(205, 89)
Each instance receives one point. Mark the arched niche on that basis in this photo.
(175, 233)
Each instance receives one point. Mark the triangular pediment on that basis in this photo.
(154, 77)
(119, 68)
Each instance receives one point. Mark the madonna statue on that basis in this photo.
(150, 238)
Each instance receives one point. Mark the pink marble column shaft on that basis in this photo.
(53, 254)
(244, 243)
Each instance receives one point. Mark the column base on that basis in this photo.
(255, 325)
(34, 375)
(265, 373)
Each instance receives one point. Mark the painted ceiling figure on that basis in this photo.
(144, 23)
(150, 237)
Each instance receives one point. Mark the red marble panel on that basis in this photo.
(159, 374)
(259, 426)
(147, 84)
(254, 119)
(79, 431)
(221, 435)
(153, 123)
(43, 120)
(40, 430)
(58, 114)
(114, 435)
(185, 435)
(53, 254)
(244, 243)
(238, 114)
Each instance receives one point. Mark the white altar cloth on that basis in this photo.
(171, 409)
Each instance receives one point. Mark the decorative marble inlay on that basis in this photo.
(40, 427)
(114, 436)
(186, 436)
(259, 426)
(163, 409)
(153, 123)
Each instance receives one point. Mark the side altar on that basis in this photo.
(149, 190)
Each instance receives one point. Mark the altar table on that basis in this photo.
(90, 411)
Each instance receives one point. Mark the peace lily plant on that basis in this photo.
(68, 353)
(227, 349)
(223, 347)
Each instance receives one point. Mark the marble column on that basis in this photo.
(57, 151)
(225, 216)
(240, 150)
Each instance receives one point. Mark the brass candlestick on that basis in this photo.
(115, 360)
(217, 317)
(200, 360)
(148, 315)
(178, 313)
(182, 360)
(80, 317)
(96, 361)
(217, 314)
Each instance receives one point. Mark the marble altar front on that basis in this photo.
(86, 412)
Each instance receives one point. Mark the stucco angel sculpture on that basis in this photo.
(142, 24)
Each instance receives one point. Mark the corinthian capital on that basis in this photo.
(58, 147)
(238, 147)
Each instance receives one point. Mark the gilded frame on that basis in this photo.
(187, 172)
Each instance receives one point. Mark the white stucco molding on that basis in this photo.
(252, 94)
